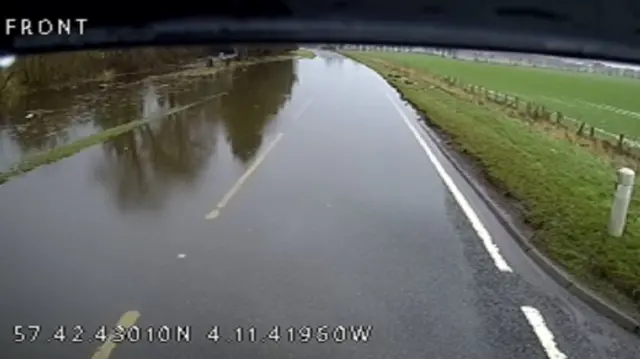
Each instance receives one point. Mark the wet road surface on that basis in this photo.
(298, 216)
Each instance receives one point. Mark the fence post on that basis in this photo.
(621, 141)
(624, 189)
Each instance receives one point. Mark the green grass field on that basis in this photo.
(566, 190)
(304, 53)
(609, 103)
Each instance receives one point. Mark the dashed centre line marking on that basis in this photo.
(543, 333)
(478, 226)
(236, 186)
(304, 108)
(127, 320)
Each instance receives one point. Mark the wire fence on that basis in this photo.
(620, 143)
(622, 149)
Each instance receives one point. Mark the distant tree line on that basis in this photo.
(258, 50)
(58, 70)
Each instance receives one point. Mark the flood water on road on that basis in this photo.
(122, 198)
(201, 150)
(345, 223)
(52, 118)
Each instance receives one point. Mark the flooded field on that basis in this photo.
(50, 119)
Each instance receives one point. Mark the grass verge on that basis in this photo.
(208, 71)
(565, 190)
(304, 53)
(61, 152)
(608, 102)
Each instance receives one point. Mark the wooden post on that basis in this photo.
(621, 142)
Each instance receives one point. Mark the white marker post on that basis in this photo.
(621, 199)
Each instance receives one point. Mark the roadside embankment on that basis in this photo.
(563, 187)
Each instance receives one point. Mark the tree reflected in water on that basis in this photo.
(331, 59)
(255, 97)
(141, 167)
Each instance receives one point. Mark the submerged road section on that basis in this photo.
(302, 215)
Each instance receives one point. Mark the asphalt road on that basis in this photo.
(346, 236)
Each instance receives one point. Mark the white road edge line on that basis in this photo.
(478, 226)
(543, 333)
(236, 186)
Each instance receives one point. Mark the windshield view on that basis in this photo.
(320, 202)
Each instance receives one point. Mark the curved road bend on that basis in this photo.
(334, 222)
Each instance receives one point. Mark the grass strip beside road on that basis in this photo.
(209, 71)
(304, 53)
(565, 190)
(582, 96)
(58, 153)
